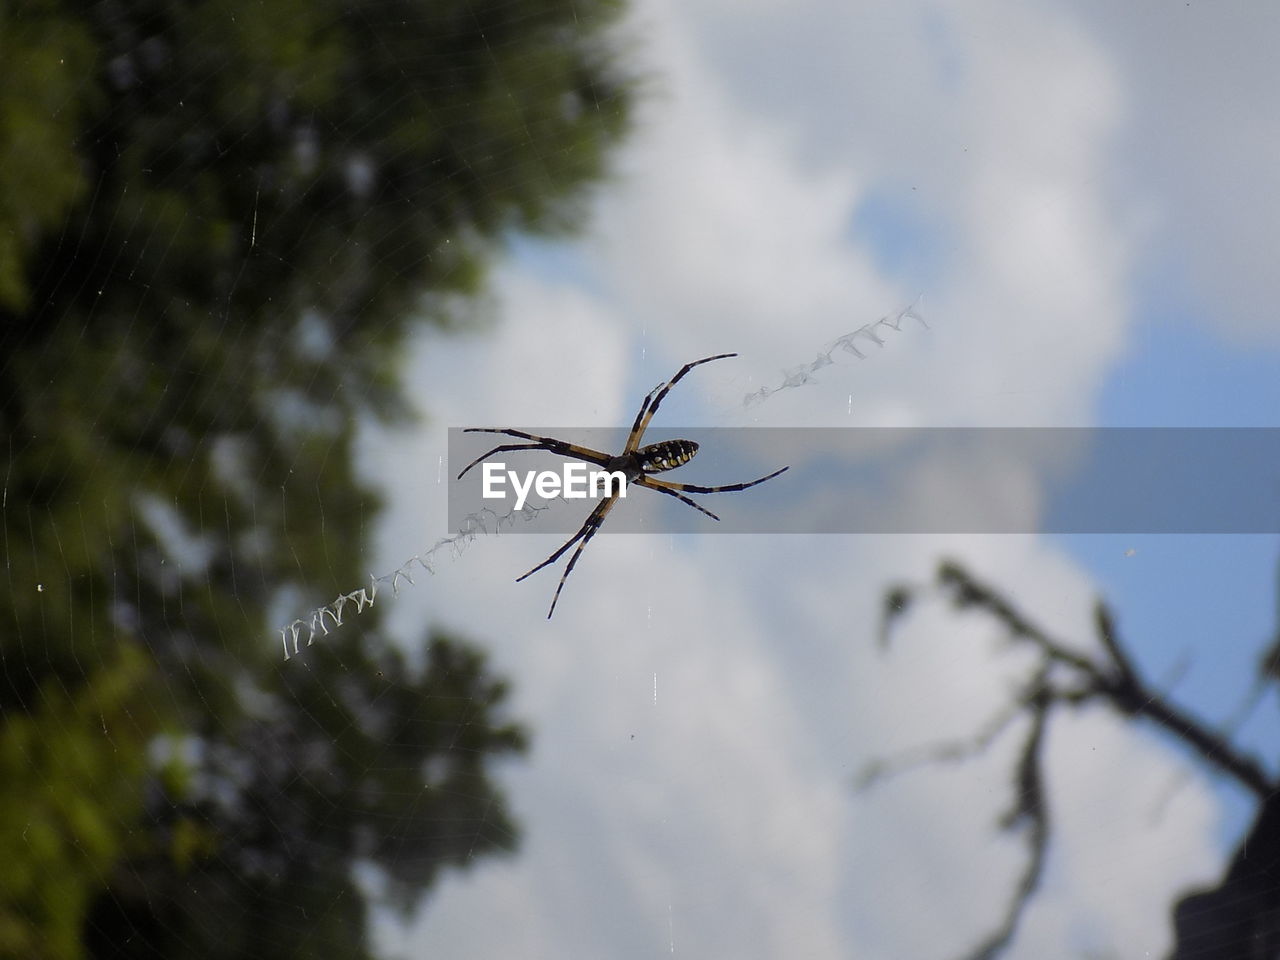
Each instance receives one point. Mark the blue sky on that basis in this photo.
(1178, 373)
(899, 235)
(1203, 641)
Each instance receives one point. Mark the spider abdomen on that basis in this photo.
(667, 455)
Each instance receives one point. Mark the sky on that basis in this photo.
(1078, 198)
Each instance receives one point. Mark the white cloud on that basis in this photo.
(1196, 157)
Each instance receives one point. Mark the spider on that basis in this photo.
(636, 462)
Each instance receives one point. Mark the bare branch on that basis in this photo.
(897, 602)
(1136, 700)
(952, 751)
(1113, 679)
(1030, 807)
(1118, 683)
(1105, 624)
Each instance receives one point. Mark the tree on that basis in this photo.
(1238, 920)
(218, 223)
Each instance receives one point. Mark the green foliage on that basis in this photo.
(362, 760)
(43, 60)
(218, 222)
(72, 771)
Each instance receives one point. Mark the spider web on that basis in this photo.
(319, 621)
(854, 342)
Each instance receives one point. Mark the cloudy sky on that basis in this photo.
(1079, 198)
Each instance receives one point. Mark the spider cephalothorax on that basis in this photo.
(636, 462)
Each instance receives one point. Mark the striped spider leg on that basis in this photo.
(636, 462)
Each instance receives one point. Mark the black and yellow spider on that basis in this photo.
(636, 462)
